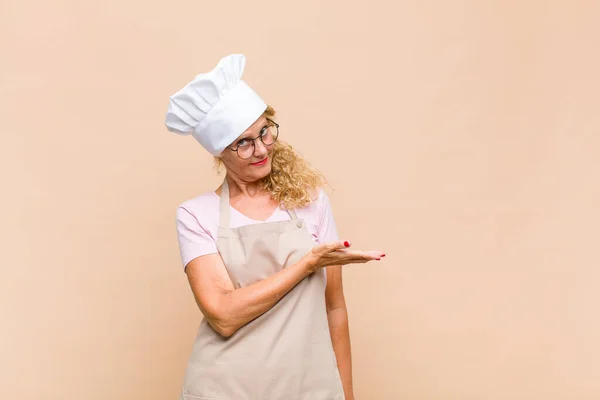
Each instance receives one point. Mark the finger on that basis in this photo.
(361, 253)
(338, 245)
(364, 256)
(375, 253)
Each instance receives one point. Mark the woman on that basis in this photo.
(261, 254)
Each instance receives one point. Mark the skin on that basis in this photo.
(227, 309)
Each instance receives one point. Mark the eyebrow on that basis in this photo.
(248, 136)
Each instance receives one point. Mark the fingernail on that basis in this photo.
(346, 244)
(378, 259)
(383, 255)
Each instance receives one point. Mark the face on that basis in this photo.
(257, 165)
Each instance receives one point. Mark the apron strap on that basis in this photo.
(292, 213)
(224, 207)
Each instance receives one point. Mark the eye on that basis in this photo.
(243, 142)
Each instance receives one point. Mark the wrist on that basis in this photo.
(309, 264)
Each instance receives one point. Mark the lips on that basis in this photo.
(263, 162)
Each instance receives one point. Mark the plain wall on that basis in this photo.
(462, 138)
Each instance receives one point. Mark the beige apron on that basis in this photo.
(286, 353)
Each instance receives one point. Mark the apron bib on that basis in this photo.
(286, 353)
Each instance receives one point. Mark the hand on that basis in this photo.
(337, 253)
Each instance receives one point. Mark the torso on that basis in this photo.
(287, 352)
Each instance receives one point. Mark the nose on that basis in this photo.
(259, 148)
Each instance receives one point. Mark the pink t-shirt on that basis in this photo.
(197, 223)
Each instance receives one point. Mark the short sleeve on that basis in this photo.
(327, 230)
(194, 240)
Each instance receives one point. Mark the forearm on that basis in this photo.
(240, 306)
(340, 337)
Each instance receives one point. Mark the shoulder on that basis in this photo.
(199, 207)
(318, 205)
(319, 217)
(322, 199)
(315, 196)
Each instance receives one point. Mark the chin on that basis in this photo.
(264, 171)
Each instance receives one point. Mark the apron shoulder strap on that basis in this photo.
(292, 213)
(224, 206)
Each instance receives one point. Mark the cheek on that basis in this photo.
(234, 163)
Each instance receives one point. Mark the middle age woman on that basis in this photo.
(261, 254)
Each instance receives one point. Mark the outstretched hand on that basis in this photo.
(338, 253)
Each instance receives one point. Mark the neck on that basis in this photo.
(240, 187)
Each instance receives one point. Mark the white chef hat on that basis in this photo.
(216, 107)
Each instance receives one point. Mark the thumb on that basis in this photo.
(337, 245)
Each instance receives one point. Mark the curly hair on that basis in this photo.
(293, 182)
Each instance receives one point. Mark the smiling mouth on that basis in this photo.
(261, 162)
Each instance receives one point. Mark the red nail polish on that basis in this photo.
(378, 259)
(383, 255)
(346, 244)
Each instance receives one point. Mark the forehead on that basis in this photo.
(255, 128)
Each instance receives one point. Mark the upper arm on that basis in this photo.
(195, 240)
(209, 281)
(326, 227)
(327, 232)
(202, 263)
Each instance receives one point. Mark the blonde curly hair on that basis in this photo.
(293, 182)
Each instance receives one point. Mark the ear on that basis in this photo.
(218, 163)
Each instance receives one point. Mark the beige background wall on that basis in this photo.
(461, 137)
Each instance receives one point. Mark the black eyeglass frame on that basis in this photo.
(254, 140)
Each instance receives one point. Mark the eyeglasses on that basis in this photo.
(268, 135)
